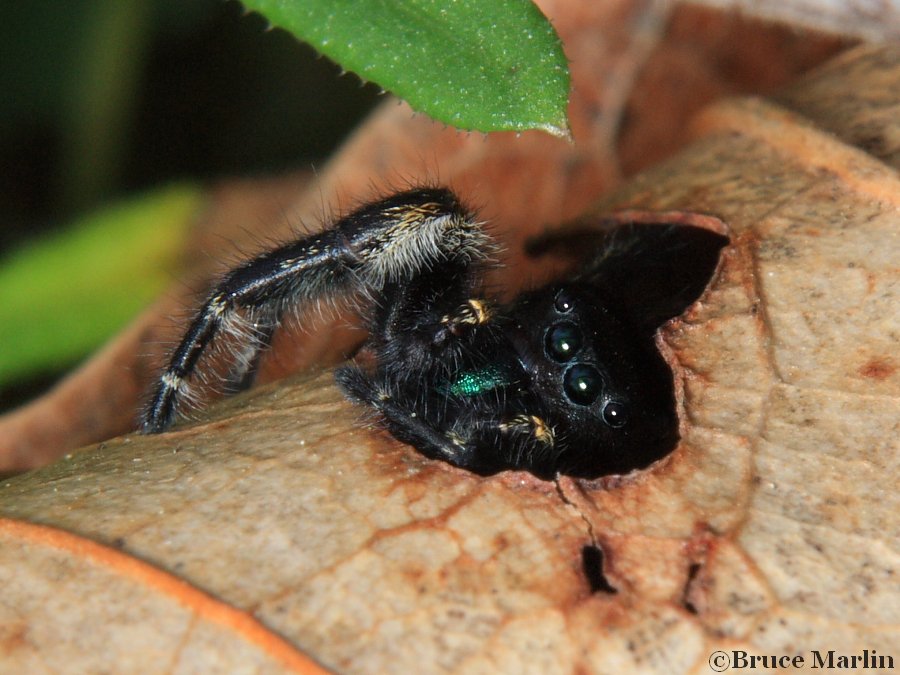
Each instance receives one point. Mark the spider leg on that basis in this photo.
(404, 424)
(528, 440)
(530, 430)
(481, 445)
(386, 243)
(248, 357)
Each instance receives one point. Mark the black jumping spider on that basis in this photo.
(565, 379)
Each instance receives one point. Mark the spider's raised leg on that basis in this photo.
(247, 357)
(386, 243)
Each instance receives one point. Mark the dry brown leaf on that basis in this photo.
(161, 623)
(773, 528)
(876, 21)
(640, 71)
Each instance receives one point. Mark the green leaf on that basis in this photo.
(487, 65)
(62, 296)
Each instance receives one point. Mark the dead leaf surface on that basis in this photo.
(368, 549)
(140, 619)
(873, 21)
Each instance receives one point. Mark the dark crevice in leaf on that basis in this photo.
(652, 271)
(646, 273)
(592, 564)
(686, 602)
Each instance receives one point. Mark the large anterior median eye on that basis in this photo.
(563, 341)
(582, 384)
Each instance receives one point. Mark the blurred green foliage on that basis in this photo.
(62, 295)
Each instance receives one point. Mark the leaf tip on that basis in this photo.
(559, 131)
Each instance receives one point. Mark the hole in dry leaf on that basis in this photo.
(634, 278)
(592, 564)
(649, 271)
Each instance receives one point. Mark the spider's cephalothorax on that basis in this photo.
(565, 379)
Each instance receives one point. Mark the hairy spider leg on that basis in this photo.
(247, 358)
(403, 422)
(381, 244)
(477, 444)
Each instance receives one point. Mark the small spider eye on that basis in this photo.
(582, 384)
(615, 414)
(564, 302)
(563, 341)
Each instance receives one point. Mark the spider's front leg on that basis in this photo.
(480, 439)
(385, 244)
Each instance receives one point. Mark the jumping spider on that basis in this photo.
(564, 379)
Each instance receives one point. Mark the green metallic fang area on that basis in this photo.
(476, 382)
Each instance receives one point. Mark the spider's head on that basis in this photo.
(601, 382)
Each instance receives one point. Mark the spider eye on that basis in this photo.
(615, 414)
(563, 341)
(582, 384)
(564, 302)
